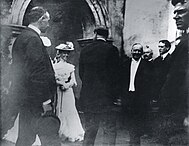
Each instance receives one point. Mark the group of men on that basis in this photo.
(137, 81)
(104, 79)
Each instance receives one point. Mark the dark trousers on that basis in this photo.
(107, 121)
(28, 125)
(28, 128)
(136, 113)
(137, 126)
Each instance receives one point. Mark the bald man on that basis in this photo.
(136, 92)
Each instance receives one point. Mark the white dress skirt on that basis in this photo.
(71, 126)
(12, 134)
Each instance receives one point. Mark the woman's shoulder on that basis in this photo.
(69, 66)
(64, 67)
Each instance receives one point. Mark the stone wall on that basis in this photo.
(147, 21)
(115, 11)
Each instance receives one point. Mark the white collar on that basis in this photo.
(101, 39)
(187, 31)
(164, 55)
(150, 59)
(34, 28)
(46, 41)
(136, 61)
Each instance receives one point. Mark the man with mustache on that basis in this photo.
(148, 53)
(136, 92)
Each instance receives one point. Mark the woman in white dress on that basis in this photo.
(71, 127)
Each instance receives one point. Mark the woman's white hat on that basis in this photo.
(66, 47)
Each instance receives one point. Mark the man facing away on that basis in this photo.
(33, 83)
(136, 92)
(98, 70)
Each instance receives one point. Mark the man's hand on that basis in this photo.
(47, 106)
(118, 102)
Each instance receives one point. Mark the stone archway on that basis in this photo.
(19, 7)
(18, 10)
(66, 26)
(99, 12)
(13, 24)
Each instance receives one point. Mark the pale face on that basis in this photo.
(136, 51)
(181, 17)
(62, 54)
(162, 48)
(147, 54)
(44, 22)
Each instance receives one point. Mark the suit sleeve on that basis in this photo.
(113, 65)
(36, 70)
(152, 82)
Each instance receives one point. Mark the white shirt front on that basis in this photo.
(133, 70)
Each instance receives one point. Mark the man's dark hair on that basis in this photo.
(174, 2)
(102, 30)
(166, 42)
(35, 14)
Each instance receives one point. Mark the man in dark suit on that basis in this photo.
(148, 54)
(136, 92)
(98, 70)
(174, 93)
(33, 82)
(162, 64)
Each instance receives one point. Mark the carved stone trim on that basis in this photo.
(19, 7)
(16, 29)
(18, 10)
(99, 12)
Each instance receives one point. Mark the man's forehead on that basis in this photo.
(147, 50)
(137, 47)
(161, 43)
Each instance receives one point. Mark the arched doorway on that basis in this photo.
(93, 7)
(70, 20)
